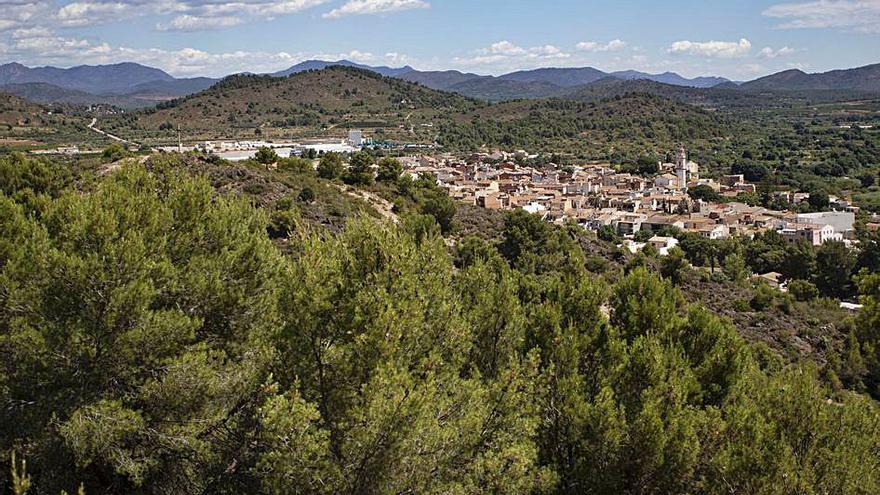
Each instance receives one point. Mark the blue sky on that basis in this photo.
(740, 40)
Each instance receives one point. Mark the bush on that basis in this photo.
(266, 156)
(115, 152)
(330, 166)
(763, 298)
(360, 170)
(307, 195)
(296, 165)
(803, 290)
(389, 170)
(608, 234)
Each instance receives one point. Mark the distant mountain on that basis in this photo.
(527, 84)
(323, 64)
(95, 79)
(671, 78)
(126, 85)
(173, 88)
(45, 93)
(497, 89)
(441, 80)
(859, 79)
(566, 78)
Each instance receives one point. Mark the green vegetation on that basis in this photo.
(360, 170)
(330, 167)
(587, 129)
(154, 339)
(26, 125)
(245, 106)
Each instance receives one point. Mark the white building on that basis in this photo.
(663, 244)
(355, 138)
(815, 235)
(841, 221)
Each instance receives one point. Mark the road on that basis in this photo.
(107, 134)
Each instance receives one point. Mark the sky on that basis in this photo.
(740, 40)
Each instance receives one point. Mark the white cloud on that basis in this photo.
(23, 13)
(395, 58)
(188, 15)
(361, 7)
(855, 15)
(188, 22)
(505, 48)
(720, 49)
(768, 52)
(39, 45)
(88, 13)
(595, 46)
(46, 43)
(358, 56)
(508, 55)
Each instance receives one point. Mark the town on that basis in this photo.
(634, 207)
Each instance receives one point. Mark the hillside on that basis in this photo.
(557, 77)
(592, 129)
(245, 106)
(441, 80)
(26, 125)
(15, 110)
(172, 88)
(46, 93)
(704, 97)
(859, 79)
(495, 89)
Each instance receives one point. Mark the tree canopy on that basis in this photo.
(155, 340)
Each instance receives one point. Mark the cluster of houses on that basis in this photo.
(597, 196)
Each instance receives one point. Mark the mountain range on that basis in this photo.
(125, 84)
(537, 83)
(133, 85)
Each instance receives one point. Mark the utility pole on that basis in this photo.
(179, 140)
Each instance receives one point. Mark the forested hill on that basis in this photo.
(155, 340)
(342, 97)
(313, 99)
(627, 121)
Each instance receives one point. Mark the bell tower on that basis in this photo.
(681, 167)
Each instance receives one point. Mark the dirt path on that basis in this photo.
(107, 134)
(112, 167)
(383, 206)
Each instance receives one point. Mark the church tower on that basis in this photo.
(681, 167)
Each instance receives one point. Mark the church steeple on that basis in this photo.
(681, 167)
